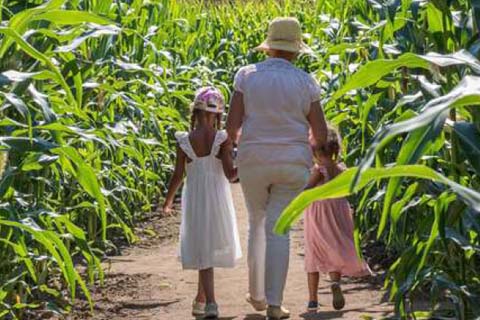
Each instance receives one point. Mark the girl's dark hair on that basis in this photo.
(333, 145)
(197, 112)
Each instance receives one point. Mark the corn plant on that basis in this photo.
(411, 97)
(91, 92)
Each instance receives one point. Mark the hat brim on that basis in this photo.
(206, 108)
(284, 45)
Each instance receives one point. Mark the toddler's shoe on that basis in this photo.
(198, 308)
(277, 313)
(258, 305)
(211, 311)
(312, 306)
(338, 301)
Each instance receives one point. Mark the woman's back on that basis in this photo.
(277, 98)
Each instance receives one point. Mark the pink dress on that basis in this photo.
(329, 244)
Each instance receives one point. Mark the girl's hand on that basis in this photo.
(175, 181)
(167, 209)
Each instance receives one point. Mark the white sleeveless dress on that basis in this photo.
(208, 232)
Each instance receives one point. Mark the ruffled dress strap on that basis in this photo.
(220, 138)
(184, 143)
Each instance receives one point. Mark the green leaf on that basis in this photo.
(70, 17)
(17, 103)
(34, 53)
(434, 18)
(462, 57)
(37, 161)
(88, 180)
(16, 76)
(41, 100)
(22, 252)
(100, 31)
(476, 14)
(411, 151)
(469, 138)
(21, 144)
(373, 71)
(53, 245)
(340, 187)
(467, 92)
(19, 22)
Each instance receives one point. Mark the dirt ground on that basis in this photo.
(147, 283)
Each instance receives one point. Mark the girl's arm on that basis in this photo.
(226, 150)
(315, 178)
(175, 180)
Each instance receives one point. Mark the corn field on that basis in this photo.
(91, 92)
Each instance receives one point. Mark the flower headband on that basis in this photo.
(208, 99)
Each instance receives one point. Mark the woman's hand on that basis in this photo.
(234, 178)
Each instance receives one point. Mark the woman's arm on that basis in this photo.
(235, 116)
(226, 151)
(318, 124)
(315, 178)
(175, 180)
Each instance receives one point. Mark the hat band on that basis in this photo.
(297, 39)
(285, 45)
(284, 42)
(200, 105)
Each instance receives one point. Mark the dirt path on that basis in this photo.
(147, 282)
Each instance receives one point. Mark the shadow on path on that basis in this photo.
(324, 315)
(146, 304)
(254, 316)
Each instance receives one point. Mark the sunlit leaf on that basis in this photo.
(340, 187)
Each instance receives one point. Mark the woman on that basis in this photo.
(274, 106)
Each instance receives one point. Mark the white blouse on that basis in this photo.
(277, 98)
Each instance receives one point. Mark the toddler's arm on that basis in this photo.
(175, 180)
(334, 168)
(226, 151)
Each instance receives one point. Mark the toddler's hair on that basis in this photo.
(197, 112)
(333, 145)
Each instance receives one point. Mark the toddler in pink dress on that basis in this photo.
(329, 244)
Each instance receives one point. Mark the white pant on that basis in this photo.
(268, 189)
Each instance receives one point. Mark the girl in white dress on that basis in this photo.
(208, 232)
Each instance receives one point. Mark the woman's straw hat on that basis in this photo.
(284, 34)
